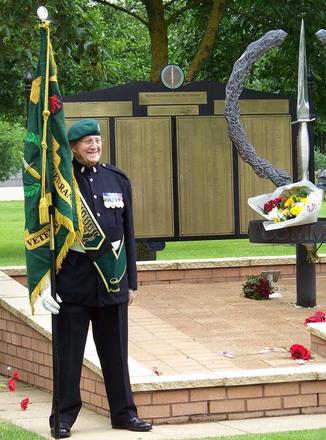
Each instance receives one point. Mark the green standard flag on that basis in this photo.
(47, 175)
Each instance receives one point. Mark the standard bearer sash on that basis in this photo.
(111, 264)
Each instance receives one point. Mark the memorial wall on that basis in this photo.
(188, 181)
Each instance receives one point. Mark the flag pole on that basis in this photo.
(55, 351)
(42, 14)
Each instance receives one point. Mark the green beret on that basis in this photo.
(85, 127)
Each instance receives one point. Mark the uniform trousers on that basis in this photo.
(110, 333)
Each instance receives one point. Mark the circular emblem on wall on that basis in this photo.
(172, 76)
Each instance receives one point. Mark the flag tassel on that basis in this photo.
(44, 211)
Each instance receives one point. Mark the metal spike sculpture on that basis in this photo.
(234, 87)
(303, 110)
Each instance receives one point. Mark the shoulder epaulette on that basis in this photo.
(110, 167)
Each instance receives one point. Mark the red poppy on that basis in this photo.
(55, 104)
(12, 384)
(317, 317)
(24, 403)
(299, 352)
(15, 375)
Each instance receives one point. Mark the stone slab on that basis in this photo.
(317, 329)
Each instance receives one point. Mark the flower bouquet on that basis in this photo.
(257, 287)
(290, 205)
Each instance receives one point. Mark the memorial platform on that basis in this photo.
(199, 351)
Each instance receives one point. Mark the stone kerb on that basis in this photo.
(25, 345)
(204, 270)
(317, 332)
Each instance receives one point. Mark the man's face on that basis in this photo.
(88, 150)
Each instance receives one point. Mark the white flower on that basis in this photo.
(272, 214)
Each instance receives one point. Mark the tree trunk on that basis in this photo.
(159, 37)
(207, 43)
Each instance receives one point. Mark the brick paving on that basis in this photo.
(183, 328)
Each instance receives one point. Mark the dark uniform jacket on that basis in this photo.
(78, 280)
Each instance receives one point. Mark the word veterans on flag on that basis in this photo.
(47, 175)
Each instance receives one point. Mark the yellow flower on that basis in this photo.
(276, 220)
(286, 212)
(295, 210)
(303, 200)
(288, 202)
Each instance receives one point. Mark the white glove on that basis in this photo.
(48, 302)
(132, 296)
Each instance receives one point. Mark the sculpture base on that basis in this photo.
(298, 235)
(312, 233)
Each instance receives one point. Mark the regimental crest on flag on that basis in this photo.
(47, 175)
(55, 104)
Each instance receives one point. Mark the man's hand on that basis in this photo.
(49, 303)
(132, 296)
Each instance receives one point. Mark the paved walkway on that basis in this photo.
(193, 328)
(12, 193)
(184, 328)
(204, 328)
(90, 426)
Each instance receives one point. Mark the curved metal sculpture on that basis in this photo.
(234, 87)
(321, 35)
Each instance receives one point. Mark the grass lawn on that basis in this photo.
(180, 250)
(316, 434)
(12, 242)
(12, 432)
(12, 233)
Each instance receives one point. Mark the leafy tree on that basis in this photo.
(11, 146)
(79, 40)
(158, 15)
(246, 21)
(320, 161)
(101, 43)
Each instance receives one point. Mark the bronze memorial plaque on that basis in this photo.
(172, 110)
(271, 135)
(163, 98)
(143, 151)
(98, 109)
(256, 106)
(205, 176)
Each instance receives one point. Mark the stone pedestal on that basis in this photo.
(298, 235)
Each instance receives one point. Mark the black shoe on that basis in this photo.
(64, 431)
(134, 424)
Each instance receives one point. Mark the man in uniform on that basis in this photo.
(97, 285)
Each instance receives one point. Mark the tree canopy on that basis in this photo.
(101, 43)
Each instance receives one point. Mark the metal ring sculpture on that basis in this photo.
(234, 87)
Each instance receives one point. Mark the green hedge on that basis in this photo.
(11, 148)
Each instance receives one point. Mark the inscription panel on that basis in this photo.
(256, 106)
(172, 110)
(143, 151)
(205, 176)
(271, 135)
(97, 109)
(162, 98)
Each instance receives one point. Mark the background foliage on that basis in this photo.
(98, 46)
(11, 146)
